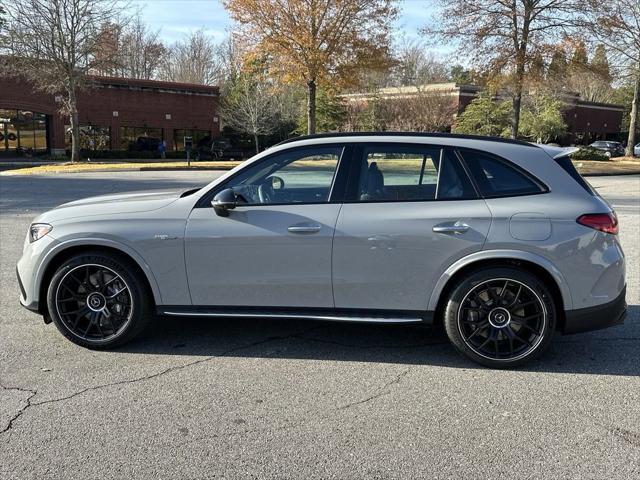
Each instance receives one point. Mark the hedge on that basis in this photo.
(587, 153)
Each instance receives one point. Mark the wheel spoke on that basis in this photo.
(504, 289)
(480, 328)
(515, 300)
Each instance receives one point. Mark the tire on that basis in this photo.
(99, 300)
(500, 317)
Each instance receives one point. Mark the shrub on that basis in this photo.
(588, 153)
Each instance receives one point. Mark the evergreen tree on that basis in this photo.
(579, 60)
(486, 115)
(558, 66)
(600, 62)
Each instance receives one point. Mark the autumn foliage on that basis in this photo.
(318, 42)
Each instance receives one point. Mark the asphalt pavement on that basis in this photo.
(229, 398)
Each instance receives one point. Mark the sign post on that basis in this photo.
(188, 145)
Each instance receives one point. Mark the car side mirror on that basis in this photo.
(224, 201)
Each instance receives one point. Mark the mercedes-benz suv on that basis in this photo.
(500, 241)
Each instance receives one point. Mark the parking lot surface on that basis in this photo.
(197, 398)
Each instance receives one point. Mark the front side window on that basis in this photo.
(497, 178)
(411, 173)
(295, 176)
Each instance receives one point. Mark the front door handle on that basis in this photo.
(456, 228)
(305, 228)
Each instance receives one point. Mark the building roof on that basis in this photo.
(140, 84)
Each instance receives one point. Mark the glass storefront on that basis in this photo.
(22, 131)
(140, 138)
(91, 137)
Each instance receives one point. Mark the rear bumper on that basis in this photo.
(597, 317)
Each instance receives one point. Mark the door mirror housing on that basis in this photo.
(224, 201)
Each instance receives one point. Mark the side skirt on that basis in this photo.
(331, 315)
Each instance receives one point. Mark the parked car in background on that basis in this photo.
(501, 241)
(216, 149)
(145, 144)
(610, 149)
(636, 150)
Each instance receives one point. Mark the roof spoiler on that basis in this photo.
(557, 152)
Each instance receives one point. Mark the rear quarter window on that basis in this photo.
(496, 177)
(567, 165)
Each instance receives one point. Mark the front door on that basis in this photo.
(274, 248)
(411, 213)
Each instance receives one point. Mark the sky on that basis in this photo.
(174, 18)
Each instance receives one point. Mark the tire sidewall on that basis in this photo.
(140, 303)
(464, 286)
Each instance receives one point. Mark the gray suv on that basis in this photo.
(502, 242)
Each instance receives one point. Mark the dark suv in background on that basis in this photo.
(610, 149)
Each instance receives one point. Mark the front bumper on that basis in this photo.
(596, 317)
(29, 305)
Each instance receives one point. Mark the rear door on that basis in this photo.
(410, 212)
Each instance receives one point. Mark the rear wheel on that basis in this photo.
(98, 300)
(500, 317)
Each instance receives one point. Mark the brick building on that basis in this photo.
(586, 121)
(114, 115)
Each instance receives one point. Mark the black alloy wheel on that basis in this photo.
(98, 301)
(500, 317)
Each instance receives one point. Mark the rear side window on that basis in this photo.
(498, 178)
(567, 165)
(399, 173)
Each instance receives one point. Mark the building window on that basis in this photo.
(91, 137)
(22, 130)
(199, 136)
(140, 138)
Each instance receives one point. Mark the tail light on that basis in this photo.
(604, 222)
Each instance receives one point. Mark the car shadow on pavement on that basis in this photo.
(613, 351)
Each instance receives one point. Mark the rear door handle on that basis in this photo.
(456, 228)
(305, 228)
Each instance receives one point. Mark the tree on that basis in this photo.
(54, 45)
(415, 65)
(318, 42)
(557, 71)
(542, 118)
(135, 51)
(591, 80)
(192, 60)
(486, 115)
(616, 24)
(248, 108)
(579, 59)
(600, 62)
(502, 35)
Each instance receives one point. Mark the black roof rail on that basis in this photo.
(406, 134)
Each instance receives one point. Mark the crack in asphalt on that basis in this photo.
(30, 404)
(379, 393)
(294, 424)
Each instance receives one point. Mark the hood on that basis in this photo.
(130, 202)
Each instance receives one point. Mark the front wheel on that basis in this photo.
(98, 300)
(500, 317)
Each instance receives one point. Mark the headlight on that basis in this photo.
(38, 230)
